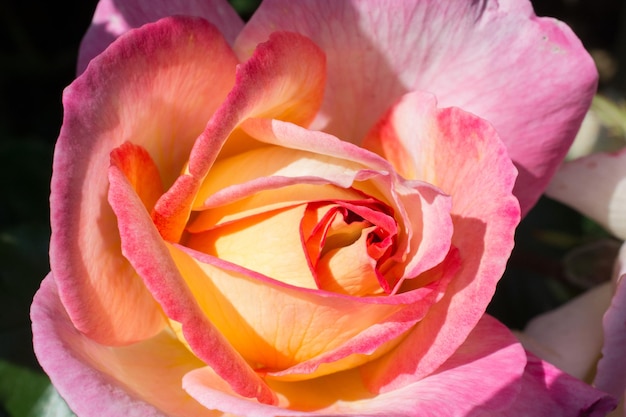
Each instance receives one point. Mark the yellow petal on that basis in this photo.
(268, 243)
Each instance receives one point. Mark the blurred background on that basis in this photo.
(558, 253)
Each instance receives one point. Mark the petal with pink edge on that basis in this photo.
(463, 156)
(284, 79)
(143, 247)
(483, 375)
(143, 379)
(114, 18)
(529, 76)
(130, 93)
(139, 169)
(595, 185)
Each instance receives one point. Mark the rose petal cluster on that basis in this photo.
(296, 217)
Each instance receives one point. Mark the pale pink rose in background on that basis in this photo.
(586, 337)
(287, 218)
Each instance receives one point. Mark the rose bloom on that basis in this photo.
(296, 217)
(586, 336)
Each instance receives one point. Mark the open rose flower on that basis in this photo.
(275, 219)
(586, 337)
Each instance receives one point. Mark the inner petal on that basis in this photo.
(346, 243)
(268, 243)
(350, 270)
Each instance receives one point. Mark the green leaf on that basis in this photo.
(26, 393)
(245, 8)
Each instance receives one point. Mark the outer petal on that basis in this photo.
(463, 156)
(142, 380)
(114, 18)
(482, 376)
(156, 87)
(611, 376)
(595, 185)
(530, 77)
(548, 392)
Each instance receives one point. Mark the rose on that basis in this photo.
(263, 263)
(585, 337)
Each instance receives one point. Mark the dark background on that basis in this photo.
(37, 60)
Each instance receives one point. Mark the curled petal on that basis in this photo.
(139, 169)
(463, 156)
(273, 168)
(146, 251)
(105, 107)
(273, 83)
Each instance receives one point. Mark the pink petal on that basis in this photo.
(144, 248)
(463, 156)
(129, 93)
(284, 80)
(595, 185)
(611, 375)
(530, 77)
(548, 392)
(143, 379)
(482, 376)
(114, 18)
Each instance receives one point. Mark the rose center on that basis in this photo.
(349, 243)
(344, 244)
